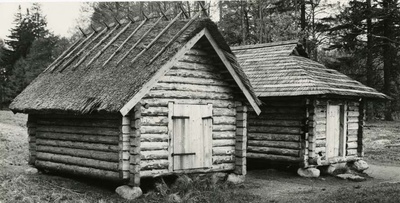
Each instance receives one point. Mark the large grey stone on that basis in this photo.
(128, 192)
(308, 172)
(359, 166)
(235, 179)
(31, 171)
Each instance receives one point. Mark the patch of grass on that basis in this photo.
(201, 190)
(377, 136)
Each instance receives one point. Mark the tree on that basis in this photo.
(368, 32)
(29, 49)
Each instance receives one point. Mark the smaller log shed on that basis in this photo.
(311, 115)
(141, 99)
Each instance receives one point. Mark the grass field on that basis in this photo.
(260, 186)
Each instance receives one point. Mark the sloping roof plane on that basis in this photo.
(276, 70)
(111, 69)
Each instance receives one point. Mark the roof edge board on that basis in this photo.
(162, 71)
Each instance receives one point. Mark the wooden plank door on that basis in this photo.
(333, 131)
(191, 136)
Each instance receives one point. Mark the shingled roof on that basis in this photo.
(107, 70)
(277, 69)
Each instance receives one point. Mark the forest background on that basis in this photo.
(360, 39)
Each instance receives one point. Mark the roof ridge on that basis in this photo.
(271, 44)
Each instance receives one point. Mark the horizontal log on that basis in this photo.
(352, 126)
(351, 145)
(283, 123)
(352, 132)
(98, 155)
(154, 129)
(277, 130)
(279, 144)
(154, 164)
(340, 160)
(352, 119)
(154, 154)
(224, 120)
(77, 170)
(320, 135)
(224, 112)
(154, 111)
(192, 80)
(197, 59)
(160, 102)
(353, 108)
(200, 52)
(193, 66)
(320, 143)
(223, 128)
(79, 161)
(154, 120)
(223, 142)
(79, 130)
(165, 172)
(223, 150)
(223, 135)
(272, 157)
(188, 94)
(78, 137)
(81, 122)
(274, 150)
(273, 137)
(352, 138)
(79, 145)
(149, 146)
(353, 113)
(320, 128)
(223, 159)
(265, 116)
(194, 73)
(154, 137)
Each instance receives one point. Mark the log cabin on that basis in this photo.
(141, 99)
(311, 115)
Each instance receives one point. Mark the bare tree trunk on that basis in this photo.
(389, 56)
(369, 65)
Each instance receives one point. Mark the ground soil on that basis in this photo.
(261, 185)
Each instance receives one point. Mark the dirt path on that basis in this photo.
(281, 186)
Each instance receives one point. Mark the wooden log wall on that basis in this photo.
(196, 79)
(241, 140)
(355, 118)
(31, 125)
(135, 153)
(317, 130)
(277, 134)
(84, 145)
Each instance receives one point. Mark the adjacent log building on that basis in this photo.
(311, 115)
(141, 99)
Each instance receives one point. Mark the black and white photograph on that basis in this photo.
(200, 101)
